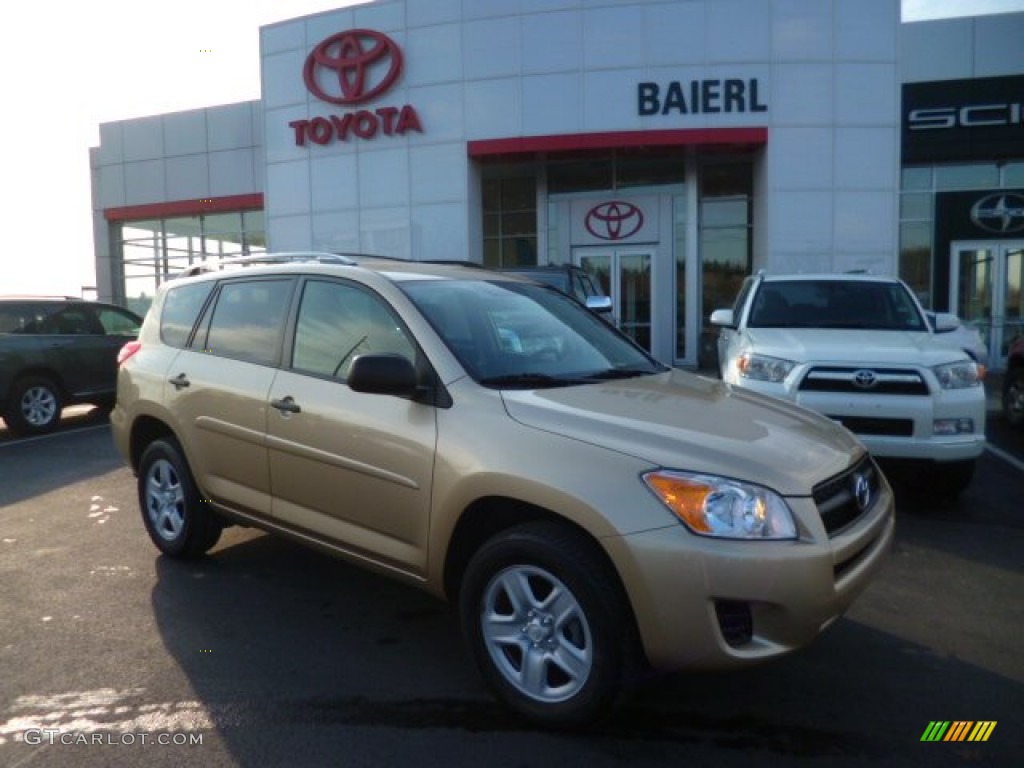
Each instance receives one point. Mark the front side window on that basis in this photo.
(338, 322)
(868, 305)
(248, 320)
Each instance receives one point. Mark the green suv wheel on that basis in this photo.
(35, 406)
(176, 518)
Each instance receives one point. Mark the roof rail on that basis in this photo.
(286, 257)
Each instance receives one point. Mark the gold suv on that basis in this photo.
(592, 513)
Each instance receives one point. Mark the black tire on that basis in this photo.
(34, 407)
(1013, 396)
(180, 524)
(551, 566)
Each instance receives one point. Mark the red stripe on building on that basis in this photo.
(194, 207)
(618, 139)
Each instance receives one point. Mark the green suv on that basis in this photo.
(57, 352)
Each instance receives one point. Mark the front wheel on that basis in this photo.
(1013, 396)
(177, 520)
(544, 617)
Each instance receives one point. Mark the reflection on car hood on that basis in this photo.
(854, 347)
(681, 421)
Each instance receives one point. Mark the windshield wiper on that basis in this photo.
(528, 381)
(619, 373)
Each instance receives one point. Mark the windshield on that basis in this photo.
(861, 304)
(519, 335)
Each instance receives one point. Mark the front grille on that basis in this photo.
(838, 500)
(865, 381)
(735, 621)
(865, 425)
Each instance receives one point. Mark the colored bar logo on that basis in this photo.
(958, 730)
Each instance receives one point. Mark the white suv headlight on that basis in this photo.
(959, 375)
(717, 506)
(764, 368)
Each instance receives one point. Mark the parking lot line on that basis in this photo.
(1009, 459)
(23, 441)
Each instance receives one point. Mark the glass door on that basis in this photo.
(625, 275)
(985, 290)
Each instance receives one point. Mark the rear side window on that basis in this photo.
(181, 309)
(117, 322)
(248, 320)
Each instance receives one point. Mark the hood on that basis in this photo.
(854, 347)
(677, 420)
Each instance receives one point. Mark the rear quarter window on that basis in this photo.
(180, 312)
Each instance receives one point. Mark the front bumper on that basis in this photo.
(679, 582)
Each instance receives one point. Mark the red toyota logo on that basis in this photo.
(615, 220)
(364, 62)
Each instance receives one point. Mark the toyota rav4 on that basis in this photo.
(859, 349)
(486, 438)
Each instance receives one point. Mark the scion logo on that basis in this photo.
(364, 63)
(614, 220)
(1000, 212)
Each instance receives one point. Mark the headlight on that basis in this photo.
(715, 506)
(764, 368)
(960, 375)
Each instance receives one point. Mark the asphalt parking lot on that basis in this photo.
(271, 655)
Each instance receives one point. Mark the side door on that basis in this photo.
(217, 389)
(352, 468)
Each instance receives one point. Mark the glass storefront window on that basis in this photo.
(916, 259)
(1013, 175)
(916, 178)
(916, 205)
(154, 249)
(510, 221)
(980, 176)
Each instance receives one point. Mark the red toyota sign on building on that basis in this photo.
(351, 68)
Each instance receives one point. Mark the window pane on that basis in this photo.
(181, 309)
(519, 194)
(966, 176)
(724, 213)
(116, 323)
(337, 323)
(518, 251)
(916, 178)
(916, 259)
(726, 180)
(649, 171)
(1013, 175)
(580, 176)
(916, 205)
(248, 320)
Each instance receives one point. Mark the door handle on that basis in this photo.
(180, 381)
(286, 405)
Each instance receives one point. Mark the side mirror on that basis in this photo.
(600, 304)
(383, 375)
(945, 322)
(723, 317)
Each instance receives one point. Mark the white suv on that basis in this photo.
(859, 349)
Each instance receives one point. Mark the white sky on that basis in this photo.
(66, 68)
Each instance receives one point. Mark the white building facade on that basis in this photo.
(671, 147)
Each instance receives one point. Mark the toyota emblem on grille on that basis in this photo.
(861, 492)
(864, 379)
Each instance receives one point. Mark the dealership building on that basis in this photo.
(671, 147)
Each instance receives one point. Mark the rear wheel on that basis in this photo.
(177, 520)
(1013, 396)
(544, 617)
(35, 406)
